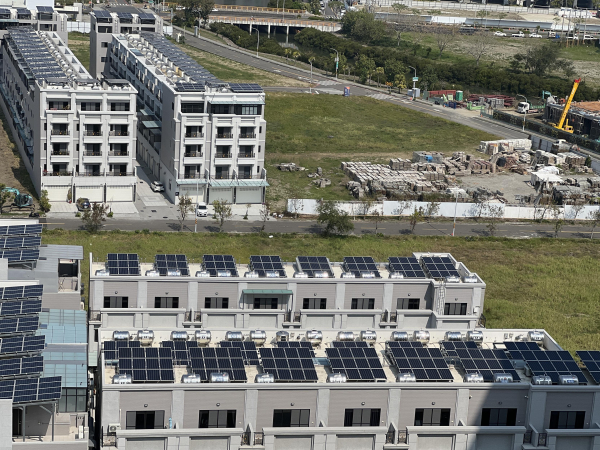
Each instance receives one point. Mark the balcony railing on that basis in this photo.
(57, 174)
(118, 133)
(102, 174)
(59, 132)
(223, 176)
(223, 155)
(92, 153)
(61, 108)
(195, 134)
(92, 133)
(247, 135)
(60, 152)
(120, 174)
(193, 176)
(117, 153)
(247, 155)
(224, 136)
(193, 154)
(259, 438)
(245, 176)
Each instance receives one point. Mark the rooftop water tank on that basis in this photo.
(321, 274)
(189, 378)
(282, 336)
(122, 378)
(568, 379)
(541, 380)
(219, 377)
(368, 336)
(475, 336)
(421, 336)
(234, 336)
(406, 378)
(453, 336)
(202, 274)
(152, 273)
(264, 378)
(300, 275)
(536, 336)
(452, 279)
(399, 336)
(173, 273)
(145, 337)
(367, 275)
(179, 336)
(348, 275)
(121, 335)
(396, 275)
(223, 273)
(259, 337)
(251, 274)
(336, 378)
(271, 274)
(503, 378)
(473, 378)
(102, 273)
(315, 337)
(345, 336)
(203, 337)
(470, 279)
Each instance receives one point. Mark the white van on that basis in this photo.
(201, 210)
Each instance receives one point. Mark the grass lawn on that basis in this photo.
(324, 130)
(79, 44)
(535, 283)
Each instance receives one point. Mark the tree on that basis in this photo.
(206, 7)
(403, 205)
(295, 55)
(195, 9)
(428, 78)
(186, 206)
(557, 220)
(295, 200)
(288, 53)
(400, 82)
(434, 12)
(336, 8)
(541, 59)
(343, 61)
(44, 202)
(222, 212)
(365, 205)
(334, 220)
(479, 45)
(501, 16)
(365, 67)
(414, 218)
(594, 220)
(478, 209)
(482, 14)
(362, 26)
(432, 209)
(392, 68)
(376, 217)
(5, 196)
(576, 210)
(399, 8)
(264, 214)
(93, 217)
(379, 71)
(444, 35)
(493, 214)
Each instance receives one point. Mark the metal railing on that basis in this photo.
(223, 155)
(247, 155)
(247, 135)
(117, 153)
(259, 438)
(259, 9)
(92, 133)
(62, 108)
(223, 176)
(193, 176)
(224, 136)
(245, 438)
(527, 437)
(92, 153)
(245, 176)
(59, 132)
(195, 134)
(193, 154)
(58, 174)
(120, 174)
(118, 133)
(542, 439)
(60, 152)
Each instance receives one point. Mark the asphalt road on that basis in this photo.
(519, 230)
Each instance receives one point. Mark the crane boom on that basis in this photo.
(568, 104)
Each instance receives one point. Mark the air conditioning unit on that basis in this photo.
(113, 428)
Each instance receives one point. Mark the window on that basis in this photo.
(73, 400)
(314, 303)
(89, 106)
(362, 417)
(104, 44)
(102, 59)
(247, 110)
(192, 108)
(432, 417)
(408, 303)
(498, 417)
(116, 302)
(291, 417)
(222, 109)
(363, 303)
(119, 106)
(455, 309)
(567, 419)
(217, 418)
(216, 302)
(265, 303)
(166, 302)
(145, 420)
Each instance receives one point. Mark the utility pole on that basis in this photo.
(524, 117)
(196, 212)
(414, 82)
(258, 40)
(310, 60)
(455, 208)
(337, 60)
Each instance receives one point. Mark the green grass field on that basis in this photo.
(535, 283)
(324, 130)
(79, 44)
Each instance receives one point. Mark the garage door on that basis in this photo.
(93, 193)
(495, 441)
(57, 193)
(212, 443)
(119, 193)
(293, 442)
(573, 443)
(248, 195)
(221, 194)
(355, 442)
(145, 444)
(191, 192)
(435, 442)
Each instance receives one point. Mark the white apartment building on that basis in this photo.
(75, 133)
(40, 18)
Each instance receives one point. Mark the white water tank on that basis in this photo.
(453, 336)
(336, 378)
(203, 337)
(219, 377)
(568, 379)
(503, 378)
(315, 337)
(399, 336)
(234, 336)
(121, 335)
(421, 336)
(122, 378)
(282, 336)
(473, 378)
(179, 336)
(345, 336)
(406, 378)
(259, 337)
(475, 336)
(368, 336)
(541, 380)
(264, 378)
(145, 337)
(189, 378)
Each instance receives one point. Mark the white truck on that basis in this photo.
(526, 107)
(520, 34)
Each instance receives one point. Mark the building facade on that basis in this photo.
(40, 18)
(75, 133)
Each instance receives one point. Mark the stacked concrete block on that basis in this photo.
(400, 164)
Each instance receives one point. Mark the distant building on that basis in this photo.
(38, 17)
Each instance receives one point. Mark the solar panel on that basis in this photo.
(13, 367)
(190, 87)
(591, 359)
(450, 347)
(111, 348)
(359, 265)
(20, 292)
(289, 364)
(124, 15)
(516, 348)
(245, 87)
(22, 344)
(18, 325)
(248, 349)
(551, 363)
(123, 264)
(145, 15)
(166, 263)
(404, 344)
(29, 390)
(20, 242)
(219, 265)
(407, 266)
(45, 9)
(315, 266)
(146, 364)
(207, 360)
(20, 307)
(101, 13)
(349, 344)
(357, 363)
(483, 361)
(439, 266)
(426, 364)
(20, 255)
(296, 344)
(266, 265)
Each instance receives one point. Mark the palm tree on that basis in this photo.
(379, 71)
(295, 55)
(287, 53)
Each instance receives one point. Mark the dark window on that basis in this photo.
(314, 303)
(192, 108)
(103, 59)
(455, 309)
(291, 417)
(265, 303)
(362, 417)
(119, 106)
(145, 420)
(216, 302)
(432, 417)
(116, 302)
(498, 417)
(408, 303)
(222, 109)
(104, 44)
(567, 419)
(90, 106)
(217, 418)
(363, 303)
(73, 400)
(166, 302)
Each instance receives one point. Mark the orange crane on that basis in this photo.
(563, 118)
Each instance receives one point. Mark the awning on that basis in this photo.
(151, 124)
(236, 102)
(267, 291)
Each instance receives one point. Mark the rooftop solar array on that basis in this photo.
(426, 364)
(264, 265)
(312, 265)
(189, 87)
(248, 349)
(111, 348)
(20, 307)
(205, 361)
(407, 266)
(18, 325)
(349, 344)
(45, 9)
(358, 265)
(20, 242)
(245, 88)
(166, 263)
(23, 13)
(124, 15)
(30, 390)
(22, 344)
(13, 367)
(591, 359)
(191, 68)
(5, 11)
(32, 54)
(18, 292)
(17, 230)
(541, 362)
(20, 255)
(357, 363)
(439, 266)
(101, 13)
(297, 344)
(145, 15)
(146, 364)
(216, 264)
(483, 361)
(289, 364)
(123, 264)
(180, 351)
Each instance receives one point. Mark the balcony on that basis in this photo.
(223, 176)
(92, 153)
(193, 176)
(61, 108)
(117, 153)
(59, 132)
(60, 153)
(224, 136)
(193, 154)
(223, 156)
(195, 134)
(57, 174)
(92, 133)
(247, 135)
(119, 133)
(247, 155)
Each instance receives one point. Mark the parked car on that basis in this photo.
(500, 33)
(83, 204)
(201, 210)
(157, 186)
(535, 35)
(520, 34)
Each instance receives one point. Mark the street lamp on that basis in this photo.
(337, 59)
(414, 82)
(258, 40)
(310, 60)
(524, 117)
(283, 11)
